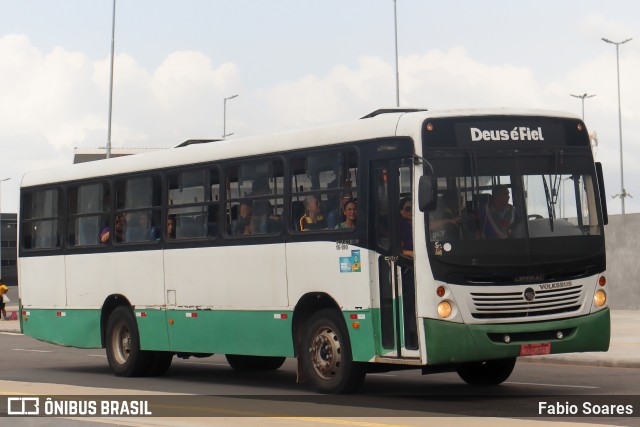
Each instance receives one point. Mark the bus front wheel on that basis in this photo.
(489, 372)
(123, 345)
(326, 355)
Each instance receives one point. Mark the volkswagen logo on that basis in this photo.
(529, 294)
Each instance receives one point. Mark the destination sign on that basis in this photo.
(518, 132)
(504, 132)
(521, 133)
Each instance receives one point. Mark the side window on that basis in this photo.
(254, 198)
(88, 220)
(322, 184)
(40, 225)
(137, 216)
(193, 204)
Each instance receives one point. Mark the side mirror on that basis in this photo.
(427, 199)
(603, 197)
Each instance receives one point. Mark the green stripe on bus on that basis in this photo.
(71, 328)
(264, 333)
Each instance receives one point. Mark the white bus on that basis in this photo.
(470, 238)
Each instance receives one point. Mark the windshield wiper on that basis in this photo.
(550, 209)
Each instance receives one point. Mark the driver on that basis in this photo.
(498, 218)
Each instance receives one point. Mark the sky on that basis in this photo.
(297, 64)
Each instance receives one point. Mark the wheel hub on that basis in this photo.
(325, 353)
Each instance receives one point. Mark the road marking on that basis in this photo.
(552, 385)
(214, 410)
(10, 333)
(96, 355)
(35, 351)
(341, 422)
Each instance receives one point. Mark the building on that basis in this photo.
(82, 155)
(8, 245)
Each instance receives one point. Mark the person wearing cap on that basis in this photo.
(3, 290)
(312, 218)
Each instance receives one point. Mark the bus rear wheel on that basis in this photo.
(326, 355)
(242, 363)
(489, 372)
(160, 363)
(123, 345)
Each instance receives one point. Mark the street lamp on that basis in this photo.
(623, 194)
(224, 117)
(1, 181)
(395, 21)
(582, 97)
(113, 36)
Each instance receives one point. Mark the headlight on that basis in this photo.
(444, 309)
(600, 298)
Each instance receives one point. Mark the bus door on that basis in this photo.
(397, 334)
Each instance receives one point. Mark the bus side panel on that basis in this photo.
(152, 326)
(42, 281)
(228, 300)
(340, 270)
(260, 333)
(135, 275)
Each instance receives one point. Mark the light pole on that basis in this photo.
(395, 26)
(224, 117)
(623, 194)
(113, 36)
(1, 181)
(582, 97)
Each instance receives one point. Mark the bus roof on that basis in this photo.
(382, 123)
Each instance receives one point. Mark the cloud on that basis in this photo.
(453, 79)
(43, 94)
(52, 102)
(599, 26)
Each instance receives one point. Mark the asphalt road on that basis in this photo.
(211, 383)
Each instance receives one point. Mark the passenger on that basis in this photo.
(241, 226)
(139, 228)
(406, 227)
(171, 227)
(119, 227)
(336, 215)
(263, 218)
(498, 219)
(350, 212)
(444, 223)
(313, 218)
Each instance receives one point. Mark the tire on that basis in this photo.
(243, 363)
(490, 372)
(160, 363)
(123, 345)
(326, 355)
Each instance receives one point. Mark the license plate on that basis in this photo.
(535, 349)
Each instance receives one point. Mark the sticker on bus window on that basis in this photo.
(437, 248)
(351, 264)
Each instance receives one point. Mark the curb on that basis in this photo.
(596, 361)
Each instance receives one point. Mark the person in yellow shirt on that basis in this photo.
(3, 291)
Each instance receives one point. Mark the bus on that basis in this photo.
(444, 241)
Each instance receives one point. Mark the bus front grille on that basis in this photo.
(524, 303)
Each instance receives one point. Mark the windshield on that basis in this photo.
(513, 208)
